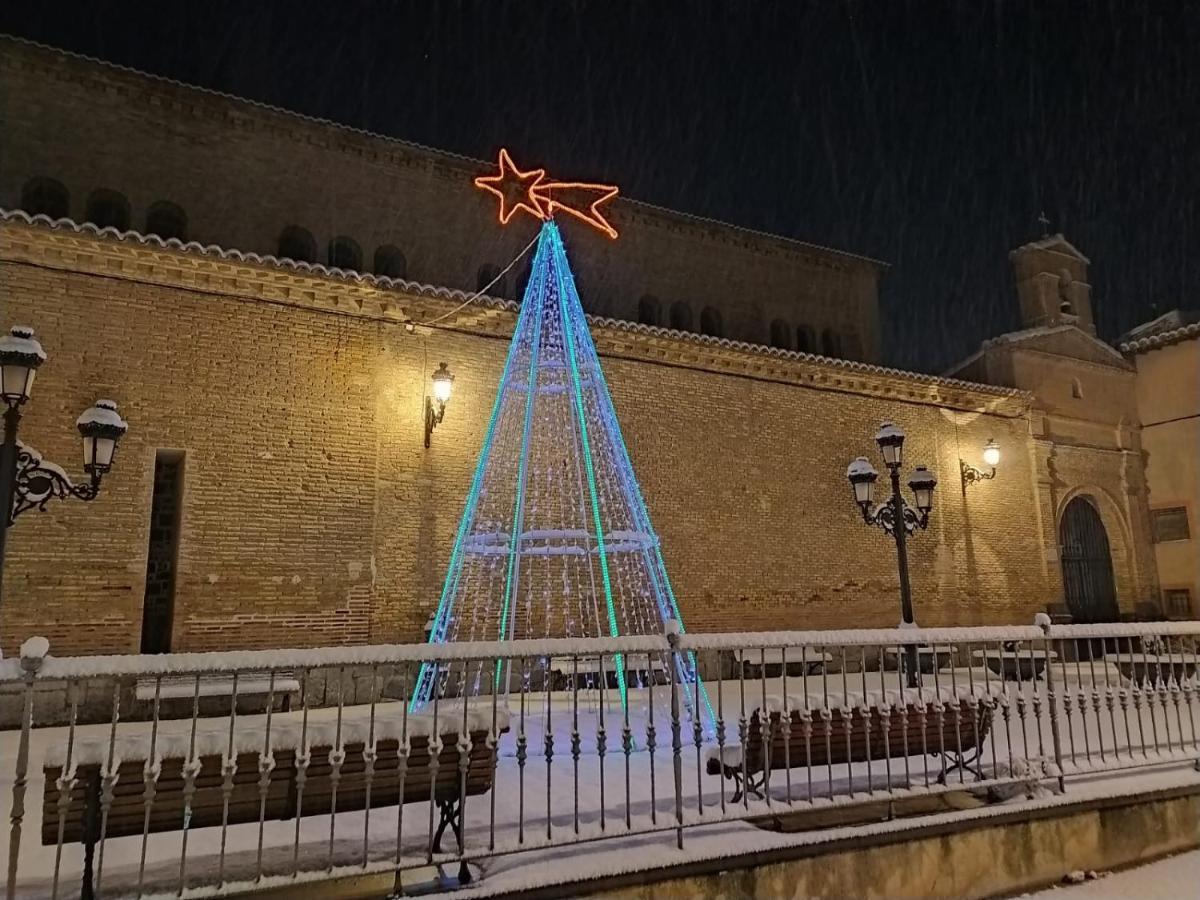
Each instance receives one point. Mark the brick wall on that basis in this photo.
(312, 514)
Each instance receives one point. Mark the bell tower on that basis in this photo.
(1052, 284)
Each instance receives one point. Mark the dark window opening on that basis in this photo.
(781, 335)
(649, 310)
(1170, 524)
(1076, 389)
(344, 253)
(390, 262)
(167, 220)
(166, 508)
(831, 344)
(1178, 602)
(46, 197)
(804, 339)
(297, 244)
(488, 280)
(108, 209)
(681, 316)
(710, 322)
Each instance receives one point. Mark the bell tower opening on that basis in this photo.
(1052, 284)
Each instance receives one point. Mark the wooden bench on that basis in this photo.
(827, 736)
(752, 659)
(92, 804)
(584, 671)
(928, 660)
(1016, 663)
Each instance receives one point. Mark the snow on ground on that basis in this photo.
(629, 803)
(1173, 878)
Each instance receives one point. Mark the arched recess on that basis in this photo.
(1090, 527)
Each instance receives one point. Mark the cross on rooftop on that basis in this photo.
(1045, 223)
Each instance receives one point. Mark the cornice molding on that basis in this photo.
(68, 246)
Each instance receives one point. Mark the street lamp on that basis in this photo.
(991, 457)
(27, 480)
(435, 408)
(894, 515)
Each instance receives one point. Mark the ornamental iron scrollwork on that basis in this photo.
(884, 515)
(39, 481)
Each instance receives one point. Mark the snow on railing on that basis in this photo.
(223, 756)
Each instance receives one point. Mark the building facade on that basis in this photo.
(274, 488)
(1166, 353)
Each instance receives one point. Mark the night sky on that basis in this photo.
(929, 135)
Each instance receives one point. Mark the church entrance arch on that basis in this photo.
(1087, 563)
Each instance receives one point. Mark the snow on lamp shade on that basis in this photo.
(922, 484)
(443, 384)
(555, 540)
(991, 453)
(890, 439)
(20, 356)
(101, 427)
(862, 477)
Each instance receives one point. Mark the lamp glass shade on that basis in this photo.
(101, 428)
(443, 384)
(890, 439)
(16, 382)
(862, 477)
(991, 454)
(20, 355)
(922, 484)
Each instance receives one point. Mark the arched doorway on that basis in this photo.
(1087, 563)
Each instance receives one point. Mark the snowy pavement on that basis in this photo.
(1173, 878)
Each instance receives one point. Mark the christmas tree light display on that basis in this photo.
(555, 540)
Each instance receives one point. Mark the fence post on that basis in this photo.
(671, 630)
(32, 653)
(1042, 621)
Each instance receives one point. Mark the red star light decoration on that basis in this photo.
(531, 192)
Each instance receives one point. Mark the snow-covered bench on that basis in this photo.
(219, 684)
(1015, 663)
(753, 660)
(928, 659)
(584, 671)
(835, 729)
(191, 781)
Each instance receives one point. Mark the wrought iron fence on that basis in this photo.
(197, 773)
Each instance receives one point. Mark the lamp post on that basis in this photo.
(26, 479)
(435, 407)
(895, 516)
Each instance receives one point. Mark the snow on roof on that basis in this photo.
(1026, 334)
(1162, 339)
(1054, 242)
(421, 148)
(453, 294)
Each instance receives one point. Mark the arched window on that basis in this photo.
(681, 316)
(710, 322)
(46, 197)
(851, 346)
(1076, 389)
(804, 339)
(167, 220)
(486, 275)
(344, 253)
(649, 310)
(297, 244)
(831, 343)
(390, 262)
(108, 209)
(781, 335)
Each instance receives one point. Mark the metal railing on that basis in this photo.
(199, 773)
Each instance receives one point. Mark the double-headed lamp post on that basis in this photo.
(895, 516)
(26, 479)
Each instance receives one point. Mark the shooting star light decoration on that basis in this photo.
(532, 192)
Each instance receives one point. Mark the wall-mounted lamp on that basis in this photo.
(991, 457)
(435, 407)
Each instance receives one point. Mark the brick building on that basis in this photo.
(274, 488)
